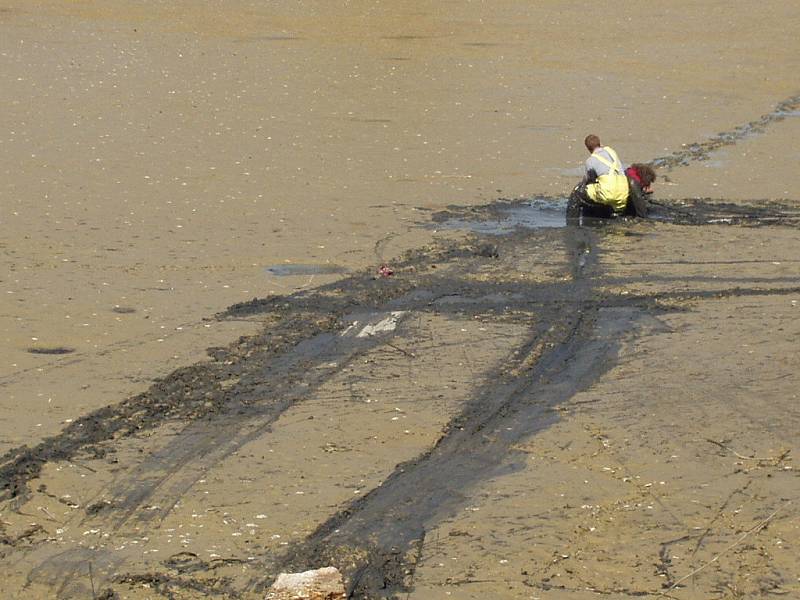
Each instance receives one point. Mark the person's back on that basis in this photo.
(600, 167)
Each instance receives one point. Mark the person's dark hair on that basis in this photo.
(646, 174)
(592, 142)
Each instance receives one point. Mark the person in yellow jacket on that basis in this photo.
(605, 186)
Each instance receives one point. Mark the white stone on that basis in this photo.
(318, 584)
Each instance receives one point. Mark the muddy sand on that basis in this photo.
(516, 412)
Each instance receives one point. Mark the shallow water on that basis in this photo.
(304, 269)
(537, 214)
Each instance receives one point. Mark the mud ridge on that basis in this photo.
(699, 151)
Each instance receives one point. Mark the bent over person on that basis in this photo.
(640, 182)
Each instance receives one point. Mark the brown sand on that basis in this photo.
(157, 156)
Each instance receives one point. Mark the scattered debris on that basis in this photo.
(385, 271)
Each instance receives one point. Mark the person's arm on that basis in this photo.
(590, 176)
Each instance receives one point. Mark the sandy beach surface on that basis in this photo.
(206, 382)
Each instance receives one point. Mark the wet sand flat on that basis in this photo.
(577, 425)
(553, 413)
(158, 155)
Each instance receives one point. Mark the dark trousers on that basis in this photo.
(580, 204)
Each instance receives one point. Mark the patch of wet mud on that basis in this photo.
(301, 335)
(710, 212)
(505, 217)
(309, 337)
(188, 394)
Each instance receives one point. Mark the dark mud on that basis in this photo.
(506, 216)
(709, 212)
(189, 394)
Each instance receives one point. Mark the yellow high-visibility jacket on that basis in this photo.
(611, 189)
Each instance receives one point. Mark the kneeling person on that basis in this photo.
(605, 180)
(603, 191)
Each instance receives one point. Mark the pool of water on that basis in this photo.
(290, 269)
(536, 214)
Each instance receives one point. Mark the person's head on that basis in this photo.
(646, 175)
(592, 142)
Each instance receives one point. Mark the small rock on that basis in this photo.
(319, 584)
(487, 251)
